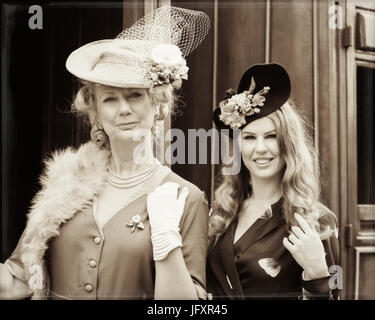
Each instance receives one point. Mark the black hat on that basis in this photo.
(263, 89)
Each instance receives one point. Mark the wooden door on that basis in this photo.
(360, 85)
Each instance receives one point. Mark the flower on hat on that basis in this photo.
(228, 107)
(234, 109)
(166, 65)
(166, 54)
(238, 99)
(258, 100)
(234, 119)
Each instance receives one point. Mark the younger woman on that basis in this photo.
(271, 237)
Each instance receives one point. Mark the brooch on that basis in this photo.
(135, 223)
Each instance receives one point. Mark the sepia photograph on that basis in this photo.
(188, 150)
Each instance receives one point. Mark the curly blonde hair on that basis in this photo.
(300, 186)
(85, 103)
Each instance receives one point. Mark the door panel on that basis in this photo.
(361, 174)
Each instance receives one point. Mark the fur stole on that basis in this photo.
(70, 181)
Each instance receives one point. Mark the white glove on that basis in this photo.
(165, 211)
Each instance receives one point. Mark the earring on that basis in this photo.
(157, 109)
(155, 130)
(98, 135)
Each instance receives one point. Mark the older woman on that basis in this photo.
(93, 232)
(271, 237)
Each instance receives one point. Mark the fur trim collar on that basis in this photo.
(71, 180)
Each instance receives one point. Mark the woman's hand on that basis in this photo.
(307, 249)
(165, 211)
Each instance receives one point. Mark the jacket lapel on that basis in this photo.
(255, 233)
(221, 260)
(233, 283)
(261, 228)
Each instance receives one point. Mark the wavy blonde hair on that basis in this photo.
(300, 186)
(85, 103)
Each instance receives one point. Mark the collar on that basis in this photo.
(270, 220)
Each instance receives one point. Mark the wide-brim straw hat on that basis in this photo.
(112, 62)
(150, 53)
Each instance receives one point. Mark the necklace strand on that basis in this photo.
(155, 162)
(128, 182)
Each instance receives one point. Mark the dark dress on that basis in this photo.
(258, 266)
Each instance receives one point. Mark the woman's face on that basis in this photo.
(260, 149)
(122, 112)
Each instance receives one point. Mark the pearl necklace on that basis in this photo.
(120, 182)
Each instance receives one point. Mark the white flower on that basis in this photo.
(180, 71)
(225, 117)
(167, 54)
(233, 119)
(247, 108)
(258, 100)
(234, 110)
(237, 120)
(238, 99)
(228, 107)
(166, 65)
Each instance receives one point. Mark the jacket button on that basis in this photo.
(92, 263)
(88, 287)
(97, 240)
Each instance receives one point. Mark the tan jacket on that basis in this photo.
(71, 180)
